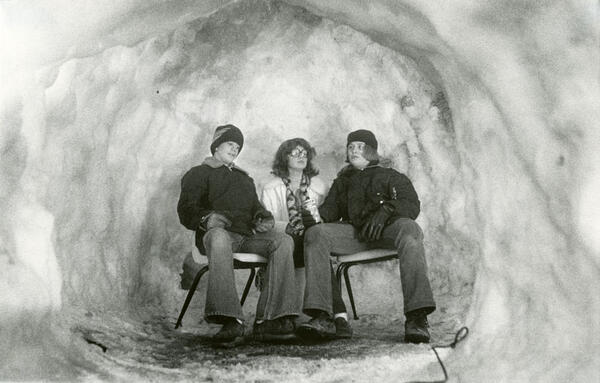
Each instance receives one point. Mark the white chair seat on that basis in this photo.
(241, 257)
(366, 255)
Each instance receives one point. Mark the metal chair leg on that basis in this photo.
(338, 275)
(349, 288)
(248, 285)
(190, 294)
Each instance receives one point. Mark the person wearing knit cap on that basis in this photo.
(218, 201)
(362, 135)
(368, 206)
(227, 133)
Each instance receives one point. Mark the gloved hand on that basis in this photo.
(263, 221)
(372, 229)
(216, 220)
(262, 225)
(289, 229)
(307, 219)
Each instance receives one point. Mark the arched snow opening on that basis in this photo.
(98, 119)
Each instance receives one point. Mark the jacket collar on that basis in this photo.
(349, 170)
(214, 163)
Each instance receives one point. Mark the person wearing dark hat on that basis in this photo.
(368, 206)
(219, 202)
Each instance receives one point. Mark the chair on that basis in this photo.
(240, 261)
(360, 258)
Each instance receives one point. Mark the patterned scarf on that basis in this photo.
(294, 205)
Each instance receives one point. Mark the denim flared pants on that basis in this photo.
(403, 235)
(279, 293)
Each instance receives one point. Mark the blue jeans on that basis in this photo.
(279, 293)
(403, 235)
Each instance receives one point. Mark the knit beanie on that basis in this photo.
(363, 135)
(226, 133)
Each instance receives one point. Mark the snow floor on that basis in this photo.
(151, 350)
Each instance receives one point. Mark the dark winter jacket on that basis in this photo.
(214, 187)
(356, 194)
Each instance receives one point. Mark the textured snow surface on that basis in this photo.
(490, 108)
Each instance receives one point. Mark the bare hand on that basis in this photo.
(309, 204)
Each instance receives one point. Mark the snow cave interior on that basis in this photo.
(489, 107)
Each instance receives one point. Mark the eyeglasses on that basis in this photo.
(299, 153)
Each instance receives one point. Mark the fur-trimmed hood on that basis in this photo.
(348, 170)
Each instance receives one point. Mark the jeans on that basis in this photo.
(279, 294)
(403, 235)
(338, 303)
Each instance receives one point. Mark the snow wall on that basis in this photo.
(489, 108)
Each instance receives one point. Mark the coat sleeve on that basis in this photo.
(258, 210)
(403, 197)
(329, 209)
(318, 190)
(193, 202)
(269, 199)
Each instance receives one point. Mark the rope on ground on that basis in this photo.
(94, 342)
(460, 335)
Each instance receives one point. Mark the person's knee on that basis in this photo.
(216, 237)
(316, 245)
(282, 241)
(409, 232)
(287, 241)
(314, 233)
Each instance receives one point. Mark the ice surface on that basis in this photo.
(104, 107)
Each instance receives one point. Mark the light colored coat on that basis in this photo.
(273, 198)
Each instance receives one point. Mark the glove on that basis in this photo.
(372, 229)
(307, 219)
(263, 221)
(289, 229)
(262, 225)
(216, 220)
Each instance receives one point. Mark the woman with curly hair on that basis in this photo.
(293, 197)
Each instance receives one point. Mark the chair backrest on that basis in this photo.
(241, 257)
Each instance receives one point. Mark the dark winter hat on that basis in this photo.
(226, 133)
(363, 135)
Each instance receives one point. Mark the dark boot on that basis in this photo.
(416, 327)
(273, 330)
(343, 330)
(320, 327)
(232, 331)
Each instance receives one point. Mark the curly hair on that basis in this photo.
(280, 164)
